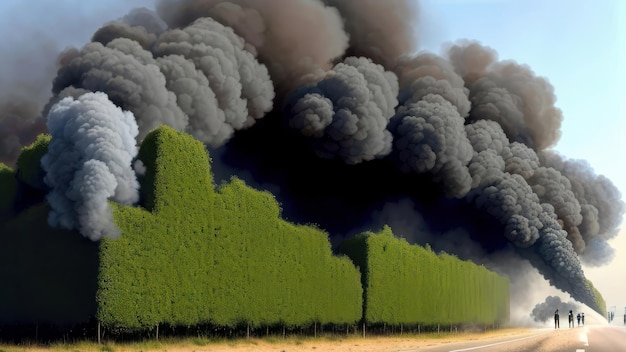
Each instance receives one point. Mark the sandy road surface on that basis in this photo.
(592, 338)
(352, 344)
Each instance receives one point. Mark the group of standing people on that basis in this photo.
(570, 317)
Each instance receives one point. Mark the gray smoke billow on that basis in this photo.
(544, 311)
(128, 82)
(297, 40)
(429, 123)
(329, 105)
(384, 31)
(600, 207)
(89, 162)
(198, 79)
(346, 113)
(426, 140)
(508, 93)
(242, 86)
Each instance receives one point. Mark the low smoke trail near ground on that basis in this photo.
(544, 311)
(329, 106)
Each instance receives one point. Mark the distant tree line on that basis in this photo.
(198, 255)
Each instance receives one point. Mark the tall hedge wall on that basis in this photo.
(8, 190)
(194, 253)
(30, 171)
(199, 255)
(406, 284)
(600, 303)
(46, 275)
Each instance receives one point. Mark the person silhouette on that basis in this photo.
(556, 319)
(582, 318)
(570, 319)
(578, 318)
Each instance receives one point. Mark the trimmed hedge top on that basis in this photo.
(199, 255)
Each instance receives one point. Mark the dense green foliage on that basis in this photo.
(47, 275)
(199, 255)
(30, 171)
(405, 283)
(8, 190)
(154, 273)
(290, 270)
(598, 297)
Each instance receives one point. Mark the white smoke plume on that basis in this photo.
(89, 162)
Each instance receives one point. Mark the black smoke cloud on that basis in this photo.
(346, 113)
(327, 105)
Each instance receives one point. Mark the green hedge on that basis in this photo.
(46, 275)
(407, 284)
(8, 190)
(600, 303)
(157, 271)
(193, 253)
(30, 171)
(287, 272)
(199, 255)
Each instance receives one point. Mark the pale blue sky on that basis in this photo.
(33, 32)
